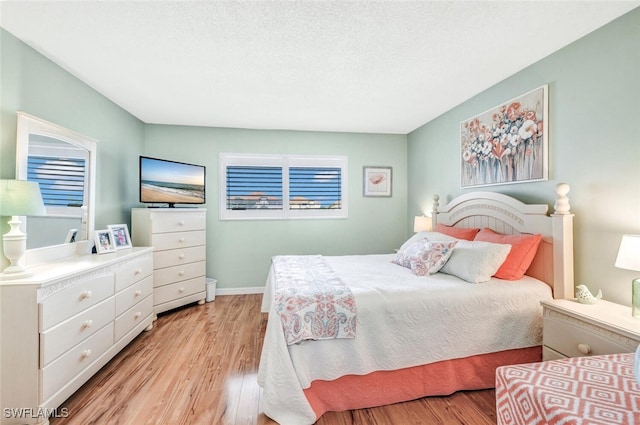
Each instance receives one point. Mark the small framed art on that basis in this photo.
(121, 237)
(104, 241)
(377, 181)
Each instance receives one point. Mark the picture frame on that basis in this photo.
(72, 234)
(121, 236)
(104, 241)
(377, 181)
(508, 143)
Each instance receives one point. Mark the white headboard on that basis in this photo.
(553, 264)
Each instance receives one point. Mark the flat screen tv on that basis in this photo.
(171, 182)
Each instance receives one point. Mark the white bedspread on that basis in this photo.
(403, 321)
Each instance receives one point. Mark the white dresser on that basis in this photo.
(571, 329)
(178, 237)
(61, 325)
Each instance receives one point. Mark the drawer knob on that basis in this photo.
(138, 314)
(85, 294)
(138, 292)
(87, 324)
(181, 272)
(181, 256)
(181, 240)
(181, 223)
(181, 290)
(137, 271)
(584, 348)
(86, 353)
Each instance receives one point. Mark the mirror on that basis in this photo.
(64, 163)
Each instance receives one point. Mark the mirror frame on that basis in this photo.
(29, 124)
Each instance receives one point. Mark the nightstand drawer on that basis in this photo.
(575, 339)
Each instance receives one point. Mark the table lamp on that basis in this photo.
(629, 258)
(421, 223)
(18, 198)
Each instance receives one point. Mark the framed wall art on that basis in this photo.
(377, 181)
(506, 144)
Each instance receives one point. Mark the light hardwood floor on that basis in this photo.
(198, 365)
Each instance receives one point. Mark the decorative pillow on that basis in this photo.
(457, 232)
(432, 236)
(424, 257)
(523, 249)
(431, 259)
(476, 261)
(408, 250)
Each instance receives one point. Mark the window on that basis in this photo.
(282, 186)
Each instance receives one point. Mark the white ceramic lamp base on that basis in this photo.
(15, 246)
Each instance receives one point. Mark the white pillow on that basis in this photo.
(476, 261)
(432, 236)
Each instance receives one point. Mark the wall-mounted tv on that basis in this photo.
(171, 182)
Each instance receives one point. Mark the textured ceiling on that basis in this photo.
(360, 66)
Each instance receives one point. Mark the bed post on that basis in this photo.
(434, 211)
(562, 224)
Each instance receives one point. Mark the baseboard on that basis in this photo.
(239, 291)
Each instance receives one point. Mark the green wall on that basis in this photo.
(34, 84)
(239, 252)
(594, 145)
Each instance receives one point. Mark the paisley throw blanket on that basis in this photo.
(312, 301)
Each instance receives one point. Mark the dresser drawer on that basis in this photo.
(178, 273)
(177, 222)
(133, 272)
(174, 257)
(62, 337)
(174, 291)
(574, 339)
(132, 317)
(162, 241)
(62, 370)
(74, 299)
(133, 294)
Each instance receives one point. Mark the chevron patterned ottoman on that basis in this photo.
(596, 390)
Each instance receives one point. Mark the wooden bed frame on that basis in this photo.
(553, 264)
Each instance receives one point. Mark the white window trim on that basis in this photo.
(284, 161)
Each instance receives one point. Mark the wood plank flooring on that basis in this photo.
(198, 365)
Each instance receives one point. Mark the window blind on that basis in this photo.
(254, 187)
(61, 179)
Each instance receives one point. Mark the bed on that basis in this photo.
(415, 335)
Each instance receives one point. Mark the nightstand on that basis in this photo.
(571, 329)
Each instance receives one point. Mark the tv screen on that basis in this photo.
(171, 182)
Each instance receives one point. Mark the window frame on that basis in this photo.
(284, 161)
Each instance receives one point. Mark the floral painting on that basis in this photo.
(506, 144)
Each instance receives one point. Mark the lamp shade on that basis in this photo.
(421, 223)
(629, 253)
(20, 197)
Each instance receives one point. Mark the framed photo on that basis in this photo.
(121, 237)
(506, 144)
(72, 234)
(377, 181)
(104, 241)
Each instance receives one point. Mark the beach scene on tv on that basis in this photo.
(171, 182)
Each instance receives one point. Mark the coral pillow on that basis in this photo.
(523, 249)
(457, 232)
